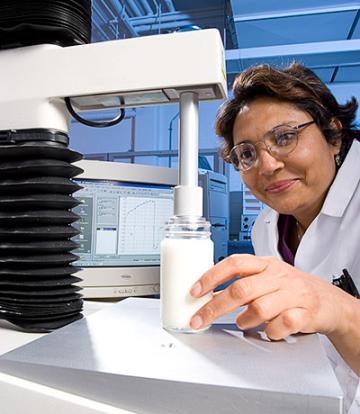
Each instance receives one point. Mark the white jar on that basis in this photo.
(186, 253)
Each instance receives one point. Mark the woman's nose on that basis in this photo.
(268, 163)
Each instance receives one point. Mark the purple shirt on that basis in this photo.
(284, 223)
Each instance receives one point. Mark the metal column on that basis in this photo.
(188, 196)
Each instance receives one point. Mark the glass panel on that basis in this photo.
(164, 162)
(146, 160)
(174, 162)
(120, 159)
(97, 157)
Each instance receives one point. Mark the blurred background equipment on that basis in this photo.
(216, 209)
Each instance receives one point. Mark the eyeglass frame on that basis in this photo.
(296, 128)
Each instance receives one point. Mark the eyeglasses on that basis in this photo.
(279, 142)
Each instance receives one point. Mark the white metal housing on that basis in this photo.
(141, 71)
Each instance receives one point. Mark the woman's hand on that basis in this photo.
(287, 300)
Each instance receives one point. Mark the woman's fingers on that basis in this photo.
(266, 308)
(287, 323)
(236, 265)
(275, 292)
(239, 293)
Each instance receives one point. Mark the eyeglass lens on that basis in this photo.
(280, 141)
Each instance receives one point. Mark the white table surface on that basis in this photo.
(11, 338)
(120, 357)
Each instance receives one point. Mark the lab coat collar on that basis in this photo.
(345, 183)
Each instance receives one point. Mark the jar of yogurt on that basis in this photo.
(186, 253)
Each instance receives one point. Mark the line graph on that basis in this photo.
(141, 224)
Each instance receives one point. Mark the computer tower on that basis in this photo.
(216, 210)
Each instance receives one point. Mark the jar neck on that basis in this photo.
(187, 227)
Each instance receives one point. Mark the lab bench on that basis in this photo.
(119, 360)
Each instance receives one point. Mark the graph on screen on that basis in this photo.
(141, 224)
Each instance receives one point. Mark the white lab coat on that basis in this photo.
(330, 244)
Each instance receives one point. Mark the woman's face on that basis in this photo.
(294, 184)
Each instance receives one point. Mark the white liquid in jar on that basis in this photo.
(183, 261)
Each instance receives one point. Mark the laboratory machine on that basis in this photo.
(50, 74)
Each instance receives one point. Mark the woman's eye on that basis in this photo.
(245, 155)
(285, 138)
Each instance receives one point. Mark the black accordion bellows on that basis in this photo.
(37, 282)
(38, 290)
(32, 22)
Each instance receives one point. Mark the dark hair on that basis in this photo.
(298, 86)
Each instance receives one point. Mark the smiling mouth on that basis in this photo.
(280, 186)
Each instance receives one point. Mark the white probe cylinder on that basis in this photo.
(187, 195)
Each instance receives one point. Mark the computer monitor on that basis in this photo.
(123, 211)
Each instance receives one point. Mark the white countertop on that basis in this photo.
(11, 338)
(121, 358)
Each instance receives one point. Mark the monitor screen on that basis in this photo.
(123, 211)
(121, 223)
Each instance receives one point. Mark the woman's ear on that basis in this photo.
(337, 125)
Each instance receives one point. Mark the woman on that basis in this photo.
(298, 152)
